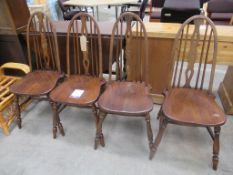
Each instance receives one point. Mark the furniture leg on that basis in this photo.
(4, 125)
(18, 112)
(216, 147)
(54, 108)
(149, 130)
(94, 110)
(162, 127)
(99, 135)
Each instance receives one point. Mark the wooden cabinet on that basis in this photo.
(14, 15)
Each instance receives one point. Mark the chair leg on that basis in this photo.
(54, 108)
(162, 127)
(149, 131)
(56, 120)
(95, 112)
(4, 125)
(215, 158)
(99, 134)
(18, 113)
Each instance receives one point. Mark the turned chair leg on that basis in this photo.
(149, 130)
(99, 134)
(215, 158)
(4, 125)
(162, 127)
(56, 120)
(95, 112)
(18, 113)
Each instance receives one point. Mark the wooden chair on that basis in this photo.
(140, 12)
(43, 58)
(231, 22)
(7, 110)
(129, 95)
(82, 86)
(189, 100)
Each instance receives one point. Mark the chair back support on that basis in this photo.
(129, 34)
(194, 54)
(42, 43)
(84, 47)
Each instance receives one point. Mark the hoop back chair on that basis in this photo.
(43, 59)
(189, 99)
(84, 68)
(129, 94)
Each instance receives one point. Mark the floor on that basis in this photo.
(183, 150)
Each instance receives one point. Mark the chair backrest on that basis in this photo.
(42, 43)
(128, 45)
(142, 9)
(194, 54)
(84, 47)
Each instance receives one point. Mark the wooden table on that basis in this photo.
(160, 42)
(97, 3)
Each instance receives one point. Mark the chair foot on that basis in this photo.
(215, 158)
(54, 132)
(61, 129)
(102, 143)
(19, 122)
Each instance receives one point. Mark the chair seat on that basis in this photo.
(36, 83)
(190, 106)
(129, 98)
(87, 90)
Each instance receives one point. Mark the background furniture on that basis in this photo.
(127, 96)
(43, 58)
(142, 7)
(91, 3)
(66, 11)
(177, 11)
(11, 25)
(7, 108)
(82, 86)
(220, 11)
(189, 100)
(155, 10)
(225, 90)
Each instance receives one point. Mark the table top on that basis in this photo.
(98, 2)
(169, 30)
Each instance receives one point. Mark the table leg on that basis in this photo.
(97, 13)
(116, 11)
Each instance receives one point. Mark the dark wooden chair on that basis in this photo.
(84, 80)
(189, 100)
(142, 7)
(66, 11)
(43, 58)
(129, 95)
